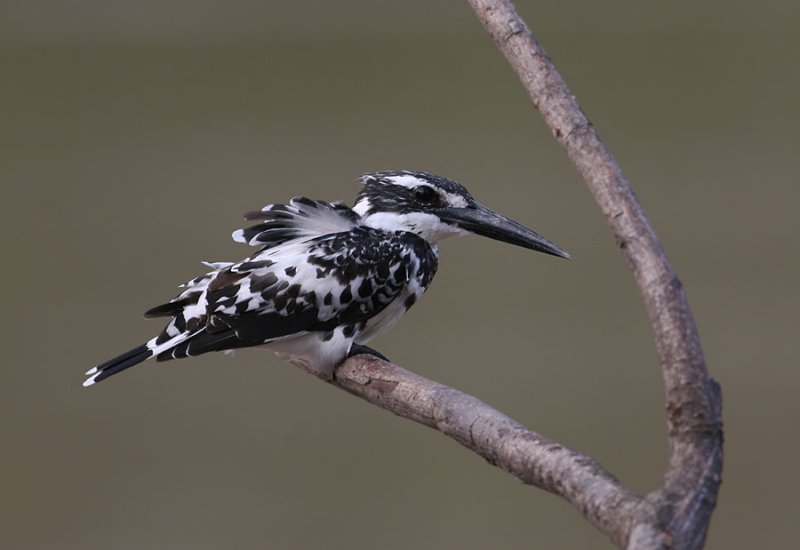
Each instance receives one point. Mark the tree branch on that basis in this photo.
(503, 442)
(678, 514)
(675, 516)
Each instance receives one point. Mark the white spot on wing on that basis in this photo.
(362, 206)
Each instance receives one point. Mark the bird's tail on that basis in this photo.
(118, 364)
(159, 347)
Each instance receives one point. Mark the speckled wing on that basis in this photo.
(194, 317)
(340, 280)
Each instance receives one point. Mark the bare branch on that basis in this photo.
(681, 510)
(503, 442)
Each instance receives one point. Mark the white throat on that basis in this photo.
(427, 226)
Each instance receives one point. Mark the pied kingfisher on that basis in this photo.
(327, 278)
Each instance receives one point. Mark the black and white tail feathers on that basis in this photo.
(118, 364)
(185, 334)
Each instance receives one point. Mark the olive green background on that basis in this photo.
(134, 134)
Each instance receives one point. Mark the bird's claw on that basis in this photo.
(357, 349)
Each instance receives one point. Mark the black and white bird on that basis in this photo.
(327, 278)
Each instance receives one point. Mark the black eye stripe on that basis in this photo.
(425, 193)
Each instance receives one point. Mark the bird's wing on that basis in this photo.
(301, 218)
(304, 285)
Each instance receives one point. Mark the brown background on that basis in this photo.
(132, 136)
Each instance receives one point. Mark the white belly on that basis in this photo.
(312, 353)
(386, 319)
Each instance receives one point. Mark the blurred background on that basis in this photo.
(134, 135)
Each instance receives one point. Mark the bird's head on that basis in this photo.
(434, 207)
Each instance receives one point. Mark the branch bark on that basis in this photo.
(676, 515)
(503, 442)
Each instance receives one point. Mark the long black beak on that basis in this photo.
(482, 221)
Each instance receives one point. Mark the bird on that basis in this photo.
(327, 278)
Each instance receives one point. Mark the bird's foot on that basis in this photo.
(358, 349)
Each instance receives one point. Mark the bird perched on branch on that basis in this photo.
(327, 278)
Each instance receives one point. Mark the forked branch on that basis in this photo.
(675, 516)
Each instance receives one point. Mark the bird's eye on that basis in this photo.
(426, 194)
